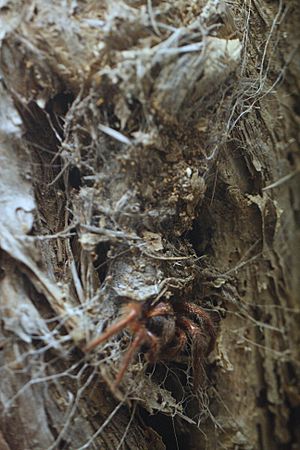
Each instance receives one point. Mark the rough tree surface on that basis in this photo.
(149, 150)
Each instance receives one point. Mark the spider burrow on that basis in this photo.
(162, 331)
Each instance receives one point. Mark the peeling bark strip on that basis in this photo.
(149, 178)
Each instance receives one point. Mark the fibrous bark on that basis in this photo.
(148, 151)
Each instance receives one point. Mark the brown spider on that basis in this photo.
(163, 330)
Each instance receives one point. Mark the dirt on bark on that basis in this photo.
(149, 152)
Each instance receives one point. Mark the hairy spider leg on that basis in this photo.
(130, 319)
(131, 316)
(207, 322)
(161, 309)
(154, 347)
(197, 348)
(132, 350)
(142, 336)
(189, 326)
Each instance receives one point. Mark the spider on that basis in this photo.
(163, 331)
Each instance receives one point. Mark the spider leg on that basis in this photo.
(154, 348)
(142, 336)
(131, 316)
(161, 309)
(197, 347)
(207, 322)
(188, 325)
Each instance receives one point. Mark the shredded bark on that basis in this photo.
(148, 153)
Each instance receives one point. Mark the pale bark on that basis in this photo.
(149, 149)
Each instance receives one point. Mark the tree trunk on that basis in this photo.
(149, 160)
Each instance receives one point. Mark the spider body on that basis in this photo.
(163, 331)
